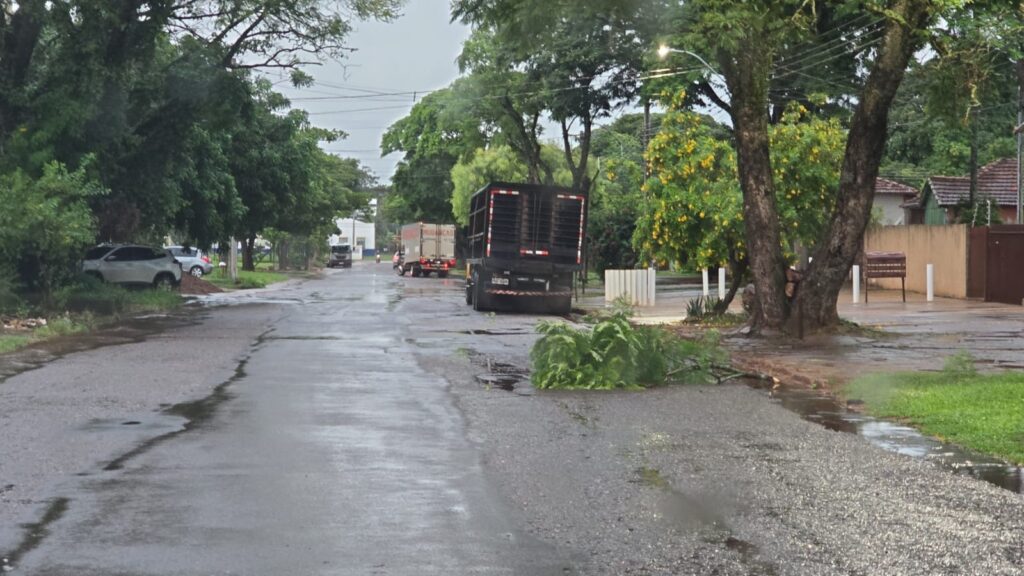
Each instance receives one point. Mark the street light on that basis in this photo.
(664, 51)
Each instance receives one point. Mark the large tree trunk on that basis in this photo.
(746, 73)
(248, 246)
(578, 169)
(844, 237)
(19, 37)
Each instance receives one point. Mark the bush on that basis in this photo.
(45, 224)
(91, 295)
(87, 293)
(9, 299)
(702, 307)
(615, 354)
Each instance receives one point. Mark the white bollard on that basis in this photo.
(705, 274)
(856, 284)
(652, 280)
(721, 283)
(930, 274)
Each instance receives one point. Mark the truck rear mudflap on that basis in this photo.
(527, 293)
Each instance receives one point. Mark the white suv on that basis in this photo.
(132, 264)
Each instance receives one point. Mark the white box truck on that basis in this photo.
(427, 248)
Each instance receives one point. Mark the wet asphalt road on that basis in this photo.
(360, 424)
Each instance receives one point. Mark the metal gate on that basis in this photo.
(1004, 265)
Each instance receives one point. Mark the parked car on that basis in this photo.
(341, 255)
(192, 260)
(132, 264)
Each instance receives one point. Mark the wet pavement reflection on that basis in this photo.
(831, 413)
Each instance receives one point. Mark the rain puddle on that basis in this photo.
(507, 377)
(834, 415)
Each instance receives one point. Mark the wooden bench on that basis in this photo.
(885, 265)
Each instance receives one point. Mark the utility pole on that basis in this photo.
(646, 135)
(1020, 140)
(233, 259)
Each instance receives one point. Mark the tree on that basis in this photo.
(499, 164)
(617, 201)
(437, 133)
(697, 213)
(46, 224)
(586, 59)
(507, 100)
(283, 34)
(745, 39)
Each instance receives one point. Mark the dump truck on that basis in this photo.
(526, 243)
(426, 248)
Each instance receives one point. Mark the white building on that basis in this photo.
(362, 236)
(889, 200)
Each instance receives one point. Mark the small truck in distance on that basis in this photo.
(426, 248)
(526, 243)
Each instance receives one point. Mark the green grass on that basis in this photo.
(246, 279)
(984, 412)
(152, 300)
(64, 326)
(61, 326)
(11, 342)
(86, 304)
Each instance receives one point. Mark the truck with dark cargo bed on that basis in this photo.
(526, 243)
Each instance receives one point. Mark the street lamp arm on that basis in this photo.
(664, 51)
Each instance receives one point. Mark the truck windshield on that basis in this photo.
(341, 249)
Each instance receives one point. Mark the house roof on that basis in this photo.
(997, 180)
(883, 186)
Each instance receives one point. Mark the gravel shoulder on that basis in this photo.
(714, 480)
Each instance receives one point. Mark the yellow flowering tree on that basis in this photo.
(696, 206)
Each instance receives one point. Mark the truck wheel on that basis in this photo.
(469, 293)
(400, 270)
(481, 300)
(416, 271)
(442, 274)
(560, 305)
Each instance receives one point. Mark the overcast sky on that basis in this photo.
(415, 53)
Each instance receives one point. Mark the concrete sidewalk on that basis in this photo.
(915, 335)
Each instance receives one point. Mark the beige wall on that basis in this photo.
(943, 246)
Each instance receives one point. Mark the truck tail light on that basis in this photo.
(451, 263)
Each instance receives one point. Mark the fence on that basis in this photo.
(943, 246)
(636, 286)
(995, 272)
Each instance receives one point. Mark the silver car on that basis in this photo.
(192, 260)
(132, 264)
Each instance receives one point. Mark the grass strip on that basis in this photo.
(11, 342)
(984, 412)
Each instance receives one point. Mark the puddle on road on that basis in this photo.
(505, 382)
(507, 377)
(831, 413)
(506, 332)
